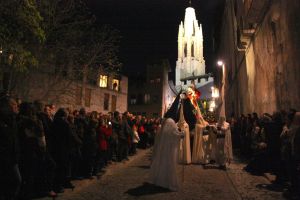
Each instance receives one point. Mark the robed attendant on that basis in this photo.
(198, 151)
(184, 149)
(165, 156)
(224, 153)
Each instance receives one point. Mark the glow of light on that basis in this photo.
(220, 63)
(212, 106)
(215, 93)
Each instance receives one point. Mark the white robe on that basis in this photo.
(185, 147)
(209, 145)
(224, 145)
(198, 151)
(165, 156)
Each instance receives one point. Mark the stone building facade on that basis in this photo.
(150, 94)
(260, 47)
(108, 93)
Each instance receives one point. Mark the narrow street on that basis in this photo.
(129, 181)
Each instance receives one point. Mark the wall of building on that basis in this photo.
(155, 84)
(66, 93)
(265, 77)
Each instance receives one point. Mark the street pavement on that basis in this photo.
(128, 180)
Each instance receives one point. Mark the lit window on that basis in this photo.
(151, 81)
(133, 99)
(158, 80)
(115, 84)
(147, 98)
(103, 81)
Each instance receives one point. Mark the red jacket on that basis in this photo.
(104, 134)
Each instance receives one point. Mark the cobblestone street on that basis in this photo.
(129, 181)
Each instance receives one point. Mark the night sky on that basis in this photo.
(149, 28)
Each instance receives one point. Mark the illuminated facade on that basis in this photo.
(190, 65)
(260, 48)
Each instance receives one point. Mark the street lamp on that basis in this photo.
(222, 111)
(220, 63)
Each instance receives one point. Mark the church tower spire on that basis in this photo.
(190, 62)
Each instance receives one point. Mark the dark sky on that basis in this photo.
(149, 28)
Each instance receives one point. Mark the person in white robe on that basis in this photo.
(184, 148)
(209, 141)
(224, 153)
(163, 171)
(197, 151)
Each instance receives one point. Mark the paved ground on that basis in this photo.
(129, 181)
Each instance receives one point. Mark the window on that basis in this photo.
(155, 98)
(158, 80)
(115, 84)
(151, 81)
(113, 103)
(140, 99)
(78, 95)
(103, 81)
(133, 99)
(147, 98)
(88, 94)
(106, 101)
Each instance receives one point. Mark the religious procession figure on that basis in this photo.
(163, 170)
(198, 153)
(209, 141)
(224, 153)
(185, 148)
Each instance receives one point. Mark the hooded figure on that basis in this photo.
(185, 148)
(224, 146)
(165, 156)
(188, 112)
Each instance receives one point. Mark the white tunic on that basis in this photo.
(198, 151)
(165, 156)
(185, 147)
(224, 145)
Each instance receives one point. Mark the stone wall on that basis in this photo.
(66, 93)
(265, 77)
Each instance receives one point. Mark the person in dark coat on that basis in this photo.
(62, 135)
(10, 180)
(89, 148)
(48, 165)
(123, 134)
(33, 151)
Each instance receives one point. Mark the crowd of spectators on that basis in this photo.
(271, 145)
(42, 149)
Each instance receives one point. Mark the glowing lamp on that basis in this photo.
(220, 63)
(215, 93)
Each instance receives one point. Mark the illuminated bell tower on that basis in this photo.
(190, 61)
